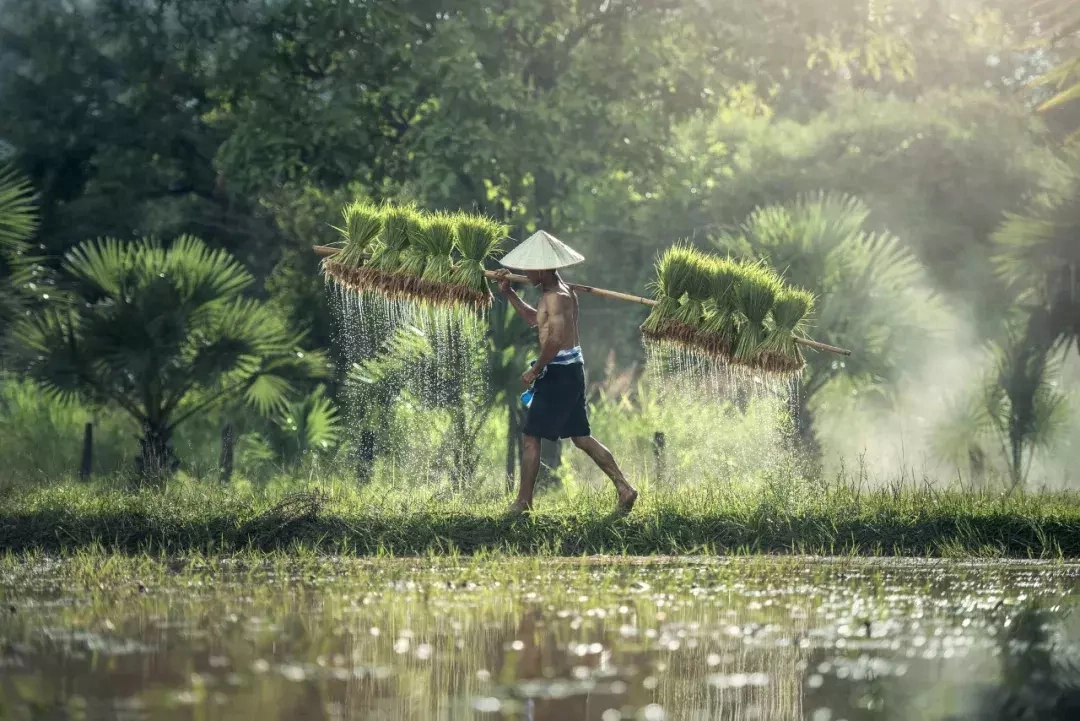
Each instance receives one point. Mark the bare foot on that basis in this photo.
(627, 498)
(518, 509)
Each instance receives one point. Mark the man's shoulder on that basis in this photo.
(558, 295)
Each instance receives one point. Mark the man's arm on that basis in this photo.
(526, 311)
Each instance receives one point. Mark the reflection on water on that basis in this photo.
(544, 640)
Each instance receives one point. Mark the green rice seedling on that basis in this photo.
(698, 288)
(438, 238)
(779, 351)
(720, 325)
(363, 225)
(754, 296)
(681, 273)
(413, 258)
(392, 265)
(435, 239)
(477, 239)
(397, 220)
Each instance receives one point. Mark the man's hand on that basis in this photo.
(504, 284)
(528, 377)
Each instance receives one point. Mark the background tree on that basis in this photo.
(1038, 255)
(163, 334)
(872, 292)
(18, 221)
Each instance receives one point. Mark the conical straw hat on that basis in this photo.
(542, 251)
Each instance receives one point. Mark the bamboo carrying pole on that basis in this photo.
(326, 251)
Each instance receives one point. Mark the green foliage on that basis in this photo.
(1016, 411)
(725, 309)
(1038, 255)
(873, 295)
(1061, 22)
(18, 222)
(164, 334)
(18, 215)
(626, 124)
(304, 427)
(41, 439)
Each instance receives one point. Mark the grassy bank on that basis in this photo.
(832, 519)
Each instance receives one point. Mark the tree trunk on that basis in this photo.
(1017, 462)
(87, 465)
(156, 460)
(228, 449)
(660, 456)
(366, 456)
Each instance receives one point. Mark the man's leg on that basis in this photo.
(530, 467)
(603, 458)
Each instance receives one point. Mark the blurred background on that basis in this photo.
(910, 162)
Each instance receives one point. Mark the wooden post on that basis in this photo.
(659, 444)
(86, 468)
(228, 446)
(366, 456)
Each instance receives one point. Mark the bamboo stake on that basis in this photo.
(326, 251)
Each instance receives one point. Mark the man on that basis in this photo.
(557, 378)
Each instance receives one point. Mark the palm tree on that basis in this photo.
(18, 221)
(164, 334)
(1023, 408)
(873, 294)
(1038, 255)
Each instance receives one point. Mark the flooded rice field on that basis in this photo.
(540, 639)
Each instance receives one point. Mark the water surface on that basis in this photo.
(598, 639)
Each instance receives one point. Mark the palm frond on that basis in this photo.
(18, 212)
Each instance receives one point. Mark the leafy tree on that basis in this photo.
(1012, 413)
(1061, 83)
(1023, 407)
(164, 334)
(310, 424)
(873, 294)
(18, 222)
(1038, 255)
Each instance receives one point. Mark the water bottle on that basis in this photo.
(527, 396)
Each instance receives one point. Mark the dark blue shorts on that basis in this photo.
(559, 407)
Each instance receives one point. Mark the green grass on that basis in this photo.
(821, 519)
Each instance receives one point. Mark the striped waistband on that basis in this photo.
(568, 357)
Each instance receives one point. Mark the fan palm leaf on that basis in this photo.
(165, 334)
(872, 292)
(1038, 255)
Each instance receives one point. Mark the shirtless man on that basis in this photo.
(558, 409)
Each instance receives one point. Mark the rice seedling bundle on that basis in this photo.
(477, 239)
(779, 352)
(682, 280)
(739, 312)
(393, 265)
(720, 327)
(436, 240)
(754, 296)
(363, 226)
